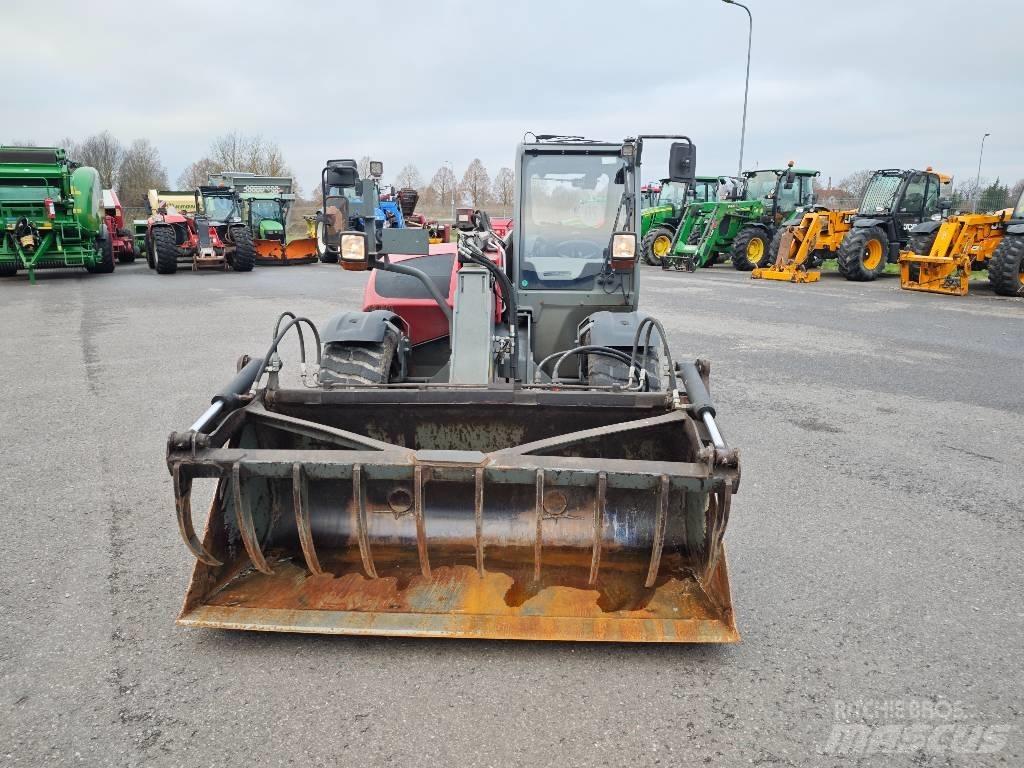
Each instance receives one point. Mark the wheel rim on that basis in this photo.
(872, 254)
(755, 250)
(660, 246)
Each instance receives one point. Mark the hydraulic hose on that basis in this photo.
(511, 304)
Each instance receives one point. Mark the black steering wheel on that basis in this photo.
(576, 249)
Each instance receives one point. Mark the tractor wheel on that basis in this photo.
(105, 265)
(656, 245)
(323, 251)
(1006, 267)
(165, 251)
(359, 364)
(245, 252)
(864, 254)
(773, 249)
(9, 269)
(127, 257)
(751, 249)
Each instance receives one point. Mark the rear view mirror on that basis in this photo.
(682, 162)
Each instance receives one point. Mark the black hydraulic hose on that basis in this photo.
(653, 323)
(588, 348)
(277, 340)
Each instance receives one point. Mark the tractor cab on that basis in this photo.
(783, 192)
(217, 204)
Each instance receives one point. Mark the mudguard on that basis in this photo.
(360, 327)
(861, 223)
(615, 329)
(1015, 229)
(925, 227)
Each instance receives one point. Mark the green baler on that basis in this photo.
(51, 211)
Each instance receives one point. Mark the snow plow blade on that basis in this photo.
(533, 514)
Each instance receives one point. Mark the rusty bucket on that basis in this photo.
(528, 513)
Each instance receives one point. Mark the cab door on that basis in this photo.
(910, 207)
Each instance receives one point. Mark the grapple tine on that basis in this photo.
(599, 502)
(183, 507)
(659, 532)
(421, 528)
(478, 513)
(302, 520)
(245, 523)
(538, 545)
(361, 534)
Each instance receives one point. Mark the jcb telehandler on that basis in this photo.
(498, 445)
(798, 250)
(744, 228)
(893, 203)
(940, 257)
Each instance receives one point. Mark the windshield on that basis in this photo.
(569, 213)
(1018, 212)
(265, 209)
(219, 208)
(760, 185)
(672, 193)
(706, 191)
(880, 193)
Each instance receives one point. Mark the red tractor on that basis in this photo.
(121, 242)
(203, 229)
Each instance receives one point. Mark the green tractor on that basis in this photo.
(51, 210)
(659, 220)
(741, 229)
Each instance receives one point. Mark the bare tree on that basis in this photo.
(966, 193)
(140, 171)
(25, 143)
(198, 173)
(476, 183)
(443, 184)
(364, 166)
(103, 152)
(409, 176)
(855, 184)
(504, 187)
(249, 154)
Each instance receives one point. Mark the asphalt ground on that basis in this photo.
(875, 548)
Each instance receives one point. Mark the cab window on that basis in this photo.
(931, 201)
(913, 196)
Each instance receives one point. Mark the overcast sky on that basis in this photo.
(835, 86)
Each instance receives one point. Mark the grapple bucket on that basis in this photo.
(486, 513)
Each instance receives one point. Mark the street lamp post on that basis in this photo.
(452, 169)
(977, 179)
(746, 85)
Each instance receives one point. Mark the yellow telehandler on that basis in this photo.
(800, 249)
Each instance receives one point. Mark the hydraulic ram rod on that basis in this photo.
(700, 401)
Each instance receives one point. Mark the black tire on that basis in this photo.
(129, 256)
(606, 372)
(921, 243)
(360, 364)
(773, 249)
(165, 251)
(745, 247)
(106, 263)
(854, 252)
(647, 246)
(1006, 267)
(244, 256)
(150, 258)
(9, 269)
(323, 251)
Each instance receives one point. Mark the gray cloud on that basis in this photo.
(836, 86)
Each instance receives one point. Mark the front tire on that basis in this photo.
(656, 245)
(245, 252)
(359, 364)
(165, 251)
(751, 249)
(1006, 267)
(323, 250)
(864, 254)
(105, 265)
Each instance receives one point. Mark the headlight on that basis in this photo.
(623, 251)
(353, 250)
